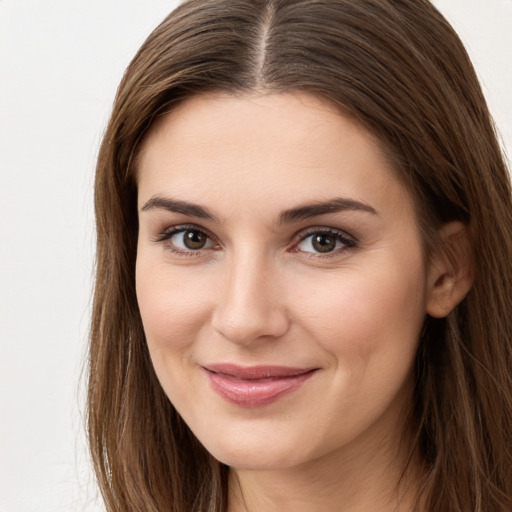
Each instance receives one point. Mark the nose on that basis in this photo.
(250, 303)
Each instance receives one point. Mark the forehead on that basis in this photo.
(278, 147)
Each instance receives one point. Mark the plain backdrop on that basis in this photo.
(60, 63)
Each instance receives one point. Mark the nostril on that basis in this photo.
(251, 326)
(250, 305)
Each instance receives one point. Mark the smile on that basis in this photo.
(255, 386)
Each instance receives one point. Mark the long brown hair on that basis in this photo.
(397, 67)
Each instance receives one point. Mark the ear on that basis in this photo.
(450, 271)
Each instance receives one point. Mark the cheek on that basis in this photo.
(170, 309)
(361, 314)
(173, 314)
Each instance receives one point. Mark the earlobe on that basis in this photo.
(450, 273)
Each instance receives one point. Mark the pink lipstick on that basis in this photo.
(255, 386)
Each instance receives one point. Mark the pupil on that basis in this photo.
(194, 240)
(324, 243)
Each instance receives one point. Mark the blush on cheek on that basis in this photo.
(161, 325)
(367, 315)
(171, 320)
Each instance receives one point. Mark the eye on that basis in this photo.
(324, 242)
(183, 239)
(191, 239)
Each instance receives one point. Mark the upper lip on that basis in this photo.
(256, 372)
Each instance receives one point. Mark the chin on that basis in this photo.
(263, 461)
(250, 454)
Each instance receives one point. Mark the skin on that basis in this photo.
(259, 293)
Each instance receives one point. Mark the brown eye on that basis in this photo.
(323, 242)
(194, 239)
(184, 240)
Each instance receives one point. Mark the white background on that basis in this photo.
(60, 63)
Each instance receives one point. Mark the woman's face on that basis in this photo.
(280, 278)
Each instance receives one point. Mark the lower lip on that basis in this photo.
(257, 392)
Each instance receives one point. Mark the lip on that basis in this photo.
(255, 386)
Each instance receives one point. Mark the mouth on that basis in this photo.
(255, 386)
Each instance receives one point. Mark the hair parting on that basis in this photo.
(398, 69)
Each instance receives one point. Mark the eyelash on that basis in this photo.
(182, 228)
(348, 241)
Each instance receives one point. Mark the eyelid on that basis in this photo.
(349, 240)
(170, 231)
(304, 233)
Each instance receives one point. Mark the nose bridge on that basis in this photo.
(250, 304)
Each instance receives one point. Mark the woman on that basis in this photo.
(304, 272)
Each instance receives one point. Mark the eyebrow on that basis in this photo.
(176, 206)
(289, 216)
(335, 205)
